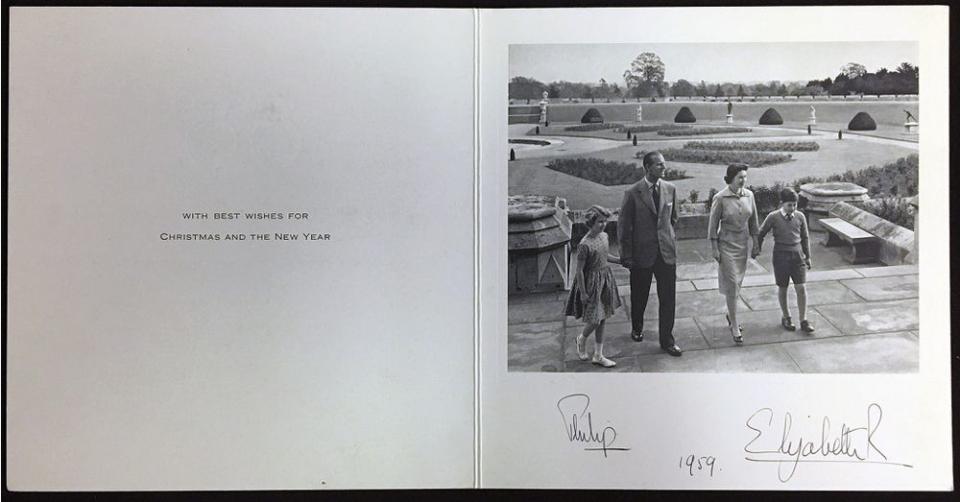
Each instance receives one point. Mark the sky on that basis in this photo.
(712, 62)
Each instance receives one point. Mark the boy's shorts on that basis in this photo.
(789, 265)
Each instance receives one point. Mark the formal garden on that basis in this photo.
(581, 145)
(697, 155)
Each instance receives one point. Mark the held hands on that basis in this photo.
(716, 254)
(756, 250)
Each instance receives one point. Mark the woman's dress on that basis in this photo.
(733, 220)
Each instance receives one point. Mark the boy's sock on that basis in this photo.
(782, 297)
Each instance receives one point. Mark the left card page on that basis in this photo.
(241, 249)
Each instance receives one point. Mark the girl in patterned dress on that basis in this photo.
(594, 295)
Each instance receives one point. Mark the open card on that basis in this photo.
(315, 249)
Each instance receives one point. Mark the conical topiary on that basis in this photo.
(862, 122)
(685, 116)
(592, 117)
(771, 117)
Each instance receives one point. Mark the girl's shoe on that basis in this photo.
(603, 361)
(788, 324)
(806, 327)
(582, 348)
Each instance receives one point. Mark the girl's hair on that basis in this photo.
(732, 171)
(594, 213)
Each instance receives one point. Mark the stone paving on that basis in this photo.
(866, 319)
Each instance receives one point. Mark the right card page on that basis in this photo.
(700, 258)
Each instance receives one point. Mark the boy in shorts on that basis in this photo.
(791, 255)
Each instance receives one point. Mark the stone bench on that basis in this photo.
(863, 244)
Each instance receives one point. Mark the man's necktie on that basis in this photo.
(656, 197)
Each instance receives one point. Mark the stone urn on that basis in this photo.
(538, 244)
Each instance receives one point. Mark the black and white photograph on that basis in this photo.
(714, 207)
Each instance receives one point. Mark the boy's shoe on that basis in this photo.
(788, 324)
(806, 327)
(582, 348)
(603, 361)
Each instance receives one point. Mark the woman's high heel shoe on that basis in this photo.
(738, 338)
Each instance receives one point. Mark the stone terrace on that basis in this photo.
(866, 320)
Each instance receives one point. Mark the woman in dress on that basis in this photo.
(733, 225)
(594, 295)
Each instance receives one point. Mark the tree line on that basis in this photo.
(644, 79)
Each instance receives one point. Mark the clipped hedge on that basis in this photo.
(698, 131)
(862, 122)
(756, 146)
(771, 117)
(592, 116)
(725, 157)
(685, 116)
(605, 172)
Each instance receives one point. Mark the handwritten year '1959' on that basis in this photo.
(693, 465)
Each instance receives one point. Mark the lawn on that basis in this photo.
(531, 175)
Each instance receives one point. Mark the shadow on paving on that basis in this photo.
(866, 319)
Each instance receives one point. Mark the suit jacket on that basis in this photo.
(644, 230)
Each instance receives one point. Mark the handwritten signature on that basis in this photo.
(855, 445)
(574, 410)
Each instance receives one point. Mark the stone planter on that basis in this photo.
(821, 197)
(538, 244)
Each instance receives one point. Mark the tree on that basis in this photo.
(553, 91)
(740, 92)
(909, 70)
(782, 91)
(702, 89)
(526, 88)
(853, 70)
(812, 90)
(645, 74)
(682, 88)
(602, 90)
(718, 91)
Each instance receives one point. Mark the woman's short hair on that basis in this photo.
(732, 171)
(594, 213)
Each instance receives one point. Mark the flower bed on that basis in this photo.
(651, 128)
(725, 157)
(590, 127)
(900, 178)
(537, 142)
(607, 172)
(761, 146)
(896, 210)
(897, 179)
(697, 131)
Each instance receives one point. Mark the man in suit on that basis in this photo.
(648, 247)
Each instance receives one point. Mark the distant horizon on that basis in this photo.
(745, 63)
